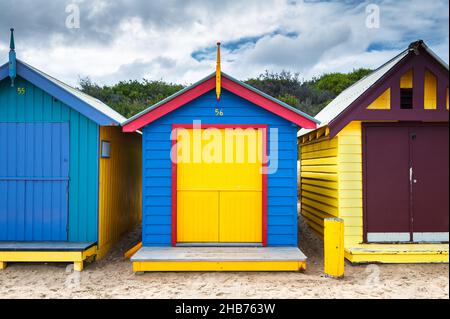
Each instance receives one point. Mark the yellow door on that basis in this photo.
(197, 216)
(219, 186)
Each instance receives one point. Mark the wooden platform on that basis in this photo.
(76, 252)
(397, 253)
(218, 259)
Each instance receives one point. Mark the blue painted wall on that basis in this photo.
(36, 106)
(282, 186)
(34, 190)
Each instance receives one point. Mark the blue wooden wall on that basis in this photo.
(34, 190)
(36, 106)
(282, 186)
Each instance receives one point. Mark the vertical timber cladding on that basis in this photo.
(219, 185)
(34, 181)
(36, 106)
(406, 188)
(120, 179)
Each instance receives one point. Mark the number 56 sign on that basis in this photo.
(218, 112)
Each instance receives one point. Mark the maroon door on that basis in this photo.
(387, 188)
(430, 161)
(406, 182)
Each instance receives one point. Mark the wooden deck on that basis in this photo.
(218, 259)
(47, 252)
(397, 253)
(44, 246)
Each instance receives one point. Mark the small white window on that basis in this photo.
(106, 149)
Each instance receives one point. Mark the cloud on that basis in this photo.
(174, 40)
(139, 69)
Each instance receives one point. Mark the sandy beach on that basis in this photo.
(112, 277)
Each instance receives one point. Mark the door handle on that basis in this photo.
(411, 174)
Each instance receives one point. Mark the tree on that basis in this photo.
(130, 97)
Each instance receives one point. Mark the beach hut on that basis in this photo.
(379, 160)
(213, 198)
(69, 176)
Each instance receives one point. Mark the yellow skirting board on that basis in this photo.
(219, 266)
(398, 253)
(77, 257)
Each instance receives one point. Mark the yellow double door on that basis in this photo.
(219, 186)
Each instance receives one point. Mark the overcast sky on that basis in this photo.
(174, 40)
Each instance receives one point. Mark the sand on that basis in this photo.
(112, 278)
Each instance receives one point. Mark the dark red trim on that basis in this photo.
(170, 105)
(264, 174)
(209, 85)
(364, 180)
(174, 188)
(264, 188)
(357, 111)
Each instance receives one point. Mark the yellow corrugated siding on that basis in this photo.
(120, 186)
(350, 182)
(331, 181)
(319, 181)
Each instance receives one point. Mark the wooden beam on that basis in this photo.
(219, 266)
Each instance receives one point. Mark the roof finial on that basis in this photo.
(11, 43)
(218, 73)
(12, 59)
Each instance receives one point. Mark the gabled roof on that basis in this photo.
(90, 107)
(229, 83)
(344, 100)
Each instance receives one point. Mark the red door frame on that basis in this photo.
(264, 175)
(364, 165)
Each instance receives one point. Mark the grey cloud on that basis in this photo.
(328, 31)
(38, 20)
(303, 52)
(138, 70)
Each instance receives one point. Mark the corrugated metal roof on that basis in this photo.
(348, 96)
(287, 106)
(89, 100)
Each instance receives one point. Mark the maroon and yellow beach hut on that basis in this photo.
(379, 160)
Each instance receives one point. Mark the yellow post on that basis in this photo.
(2, 265)
(78, 265)
(334, 247)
